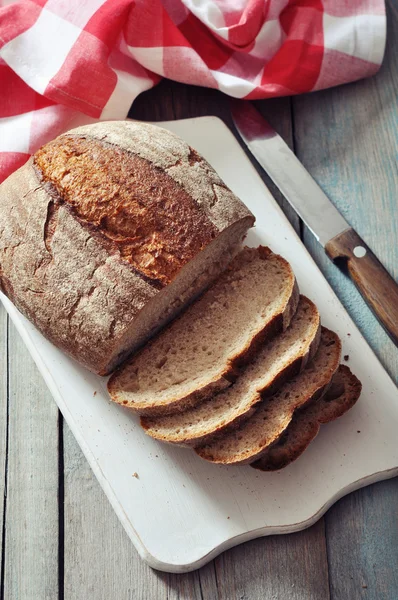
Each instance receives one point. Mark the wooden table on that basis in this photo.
(59, 535)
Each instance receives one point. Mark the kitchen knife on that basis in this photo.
(341, 242)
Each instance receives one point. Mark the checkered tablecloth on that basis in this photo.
(68, 62)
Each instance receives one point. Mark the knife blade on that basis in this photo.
(341, 242)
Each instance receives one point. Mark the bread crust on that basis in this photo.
(65, 276)
(137, 208)
(341, 396)
(322, 386)
(169, 153)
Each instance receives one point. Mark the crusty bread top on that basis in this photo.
(143, 189)
(253, 438)
(156, 225)
(168, 152)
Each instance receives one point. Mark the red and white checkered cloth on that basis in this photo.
(68, 62)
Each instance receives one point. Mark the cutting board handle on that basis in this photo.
(373, 281)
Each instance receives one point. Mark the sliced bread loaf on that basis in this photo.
(341, 396)
(276, 362)
(108, 232)
(256, 435)
(198, 354)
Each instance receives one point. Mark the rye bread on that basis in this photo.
(274, 415)
(341, 396)
(201, 352)
(108, 231)
(273, 364)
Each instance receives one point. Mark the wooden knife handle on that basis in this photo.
(373, 281)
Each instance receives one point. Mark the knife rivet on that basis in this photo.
(359, 251)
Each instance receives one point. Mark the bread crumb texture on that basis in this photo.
(199, 351)
(272, 364)
(275, 414)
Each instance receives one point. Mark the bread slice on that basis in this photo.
(257, 434)
(341, 396)
(276, 362)
(199, 353)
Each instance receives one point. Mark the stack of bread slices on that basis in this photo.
(246, 374)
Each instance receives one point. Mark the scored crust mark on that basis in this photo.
(155, 224)
(194, 157)
(50, 224)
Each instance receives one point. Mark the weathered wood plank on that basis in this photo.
(3, 424)
(154, 105)
(292, 567)
(100, 560)
(31, 523)
(362, 534)
(347, 137)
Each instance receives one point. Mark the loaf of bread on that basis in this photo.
(108, 231)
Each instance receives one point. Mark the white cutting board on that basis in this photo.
(181, 511)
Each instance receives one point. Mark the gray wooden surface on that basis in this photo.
(59, 535)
